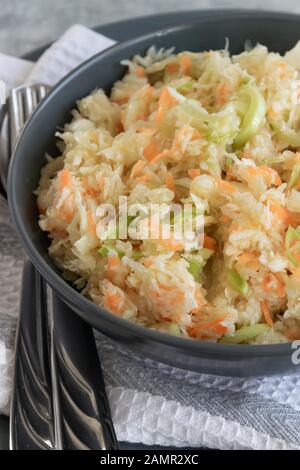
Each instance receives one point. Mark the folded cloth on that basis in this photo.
(151, 403)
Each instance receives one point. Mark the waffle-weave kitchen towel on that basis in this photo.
(150, 402)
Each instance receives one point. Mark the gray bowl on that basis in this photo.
(279, 32)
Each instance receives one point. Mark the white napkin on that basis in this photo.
(151, 403)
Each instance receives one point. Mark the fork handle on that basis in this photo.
(81, 408)
(31, 414)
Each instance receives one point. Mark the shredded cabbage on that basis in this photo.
(216, 132)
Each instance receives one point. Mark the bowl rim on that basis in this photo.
(72, 296)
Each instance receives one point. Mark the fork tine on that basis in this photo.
(16, 114)
(30, 101)
(22, 103)
(41, 92)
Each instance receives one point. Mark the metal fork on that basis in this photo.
(44, 413)
(13, 116)
(31, 400)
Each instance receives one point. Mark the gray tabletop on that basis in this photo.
(27, 25)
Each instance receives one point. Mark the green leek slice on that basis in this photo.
(290, 236)
(245, 334)
(174, 329)
(251, 107)
(105, 250)
(237, 282)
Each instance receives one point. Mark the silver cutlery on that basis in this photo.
(59, 399)
(20, 105)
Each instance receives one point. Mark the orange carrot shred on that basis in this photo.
(137, 168)
(266, 283)
(194, 172)
(64, 177)
(163, 154)
(152, 150)
(225, 186)
(166, 101)
(246, 257)
(284, 215)
(140, 72)
(264, 305)
(91, 223)
(185, 64)
(145, 178)
(281, 285)
(170, 181)
(209, 242)
(172, 68)
(224, 218)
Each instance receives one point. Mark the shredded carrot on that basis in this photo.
(172, 67)
(137, 168)
(296, 273)
(147, 261)
(145, 178)
(209, 242)
(88, 188)
(152, 150)
(269, 175)
(225, 186)
(281, 285)
(140, 72)
(199, 299)
(66, 215)
(283, 215)
(64, 177)
(293, 335)
(114, 302)
(201, 326)
(147, 130)
(179, 136)
(264, 305)
(163, 154)
(194, 172)
(113, 260)
(222, 92)
(196, 134)
(266, 282)
(224, 218)
(91, 223)
(185, 64)
(113, 263)
(166, 101)
(246, 257)
(178, 294)
(165, 287)
(281, 64)
(170, 181)
(221, 329)
(172, 244)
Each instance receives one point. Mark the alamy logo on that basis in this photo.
(296, 353)
(2, 92)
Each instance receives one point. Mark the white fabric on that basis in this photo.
(150, 403)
